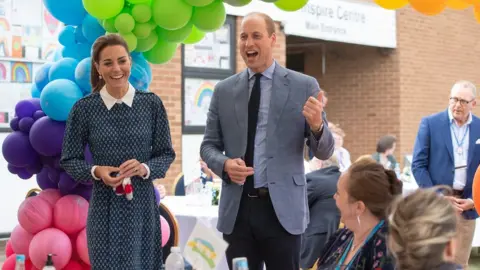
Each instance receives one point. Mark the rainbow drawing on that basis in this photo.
(3, 73)
(48, 52)
(205, 90)
(21, 72)
(4, 25)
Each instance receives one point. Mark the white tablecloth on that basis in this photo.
(188, 215)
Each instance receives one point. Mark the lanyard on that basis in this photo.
(344, 256)
(459, 144)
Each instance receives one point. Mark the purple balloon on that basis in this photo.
(46, 136)
(24, 174)
(44, 181)
(25, 108)
(14, 124)
(88, 155)
(18, 151)
(36, 103)
(38, 114)
(25, 124)
(47, 161)
(157, 195)
(53, 174)
(83, 190)
(66, 183)
(35, 168)
(13, 169)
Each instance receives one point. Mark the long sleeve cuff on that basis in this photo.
(147, 176)
(93, 173)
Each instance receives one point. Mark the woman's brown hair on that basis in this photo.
(100, 44)
(375, 186)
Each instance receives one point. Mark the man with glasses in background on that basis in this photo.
(447, 152)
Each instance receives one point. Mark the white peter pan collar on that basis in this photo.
(109, 101)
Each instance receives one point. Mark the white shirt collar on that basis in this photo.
(109, 101)
(450, 117)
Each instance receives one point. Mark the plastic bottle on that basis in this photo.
(175, 260)
(20, 262)
(49, 263)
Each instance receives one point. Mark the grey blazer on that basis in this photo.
(226, 137)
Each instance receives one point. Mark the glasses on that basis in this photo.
(463, 102)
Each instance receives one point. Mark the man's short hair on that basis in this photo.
(268, 21)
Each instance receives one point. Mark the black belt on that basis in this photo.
(457, 193)
(258, 193)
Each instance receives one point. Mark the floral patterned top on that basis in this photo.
(371, 256)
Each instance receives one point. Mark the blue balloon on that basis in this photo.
(91, 29)
(63, 69)
(67, 36)
(79, 37)
(84, 50)
(141, 73)
(70, 52)
(82, 75)
(58, 54)
(41, 78)
(34, 91)
(70, 12)
(58, 98)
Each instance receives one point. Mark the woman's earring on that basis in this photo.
(100, 77)
(358, 219)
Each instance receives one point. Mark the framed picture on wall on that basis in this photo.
(197, 94)
(214, 53)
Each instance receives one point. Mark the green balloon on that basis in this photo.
(142, 30)
(211, 17)
(137, 1)
(175, 35)
(131, 40)
(153, 24)
(103, 9)
(109, 25)
(142, 13)
(194, 37)
(199, 3)
(146, 44)
(269, 1)
(161, 53)
(124, 23)
(171, 14)
(237, 3)
(290, 5)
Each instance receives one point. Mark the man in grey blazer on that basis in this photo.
(256, 129)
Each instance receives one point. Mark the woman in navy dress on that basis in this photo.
(127, 132)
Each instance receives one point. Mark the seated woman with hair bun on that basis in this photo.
(422, 231)
(364, 193)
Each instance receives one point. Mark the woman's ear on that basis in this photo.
(360, 207)
(97, 67)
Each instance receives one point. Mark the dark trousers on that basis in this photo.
(259, 236)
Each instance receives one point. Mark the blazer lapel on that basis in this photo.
(474, 132)
(280, 93)
(448, 136)
(241, 95)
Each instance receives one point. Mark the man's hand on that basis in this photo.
(312, 110)
(237, 170)
(106, 174)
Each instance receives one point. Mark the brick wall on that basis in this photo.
(371, 94)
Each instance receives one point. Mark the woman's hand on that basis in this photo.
(106, 173)
(131, 168)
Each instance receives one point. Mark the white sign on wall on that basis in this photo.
(335, 20)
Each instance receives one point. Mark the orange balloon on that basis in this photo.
(476, 13)
(391, 4)
(473, 2)
(476, 189)
(429, 7)
(458, 4)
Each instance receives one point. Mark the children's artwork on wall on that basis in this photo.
(21, 72)
(4, 72)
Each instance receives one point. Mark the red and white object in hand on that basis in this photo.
(126, 188)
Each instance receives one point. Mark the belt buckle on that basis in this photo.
(252, 196)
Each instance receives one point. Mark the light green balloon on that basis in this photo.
(199, 3)
(237, 3)
(290, 5)
(161, 53)
(131, 40)
(146, 44)
(175, 35)
(142, 13)
(103, 9)
(269, 1)
(211, 17)
(153, 24)
(171, 14)
(124, 23)
(142, 30)
(137, 1)
(194, 37)
(109, 25)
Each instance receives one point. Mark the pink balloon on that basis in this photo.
(73, 265)
(70, 214)
(50, 195)
(21, 240)
(8, 249)
(82, 248)
(50, 241)
(35, 214)
(165, 230)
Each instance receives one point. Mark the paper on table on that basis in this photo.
(204, 248)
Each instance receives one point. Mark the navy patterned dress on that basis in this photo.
(121, 234)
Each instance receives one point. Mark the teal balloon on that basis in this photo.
(210, 18)
(161, 53)
(58, 98)
(199, 3)
(175, 35)
(171, 14)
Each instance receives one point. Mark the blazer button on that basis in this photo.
(272, 183)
